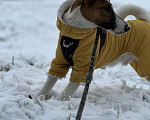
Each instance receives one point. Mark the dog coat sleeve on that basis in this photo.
(59, 65)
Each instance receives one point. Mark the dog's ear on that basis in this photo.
(76, 4)
(82, 2)
(89, 2)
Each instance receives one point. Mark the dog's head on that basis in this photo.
(102, 14)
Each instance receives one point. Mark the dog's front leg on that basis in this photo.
(50, 82)
(69, 91)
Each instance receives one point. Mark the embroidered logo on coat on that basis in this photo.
(68, 46)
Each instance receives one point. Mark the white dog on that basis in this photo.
(89, 14)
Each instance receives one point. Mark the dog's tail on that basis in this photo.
(129, 9)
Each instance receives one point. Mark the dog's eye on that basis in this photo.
(107, 8)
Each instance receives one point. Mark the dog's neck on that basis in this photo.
(75, 18)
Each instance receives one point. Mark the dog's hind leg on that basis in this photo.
(50, 82)
(69, 91)
(124, 59)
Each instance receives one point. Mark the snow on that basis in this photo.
(28, 39)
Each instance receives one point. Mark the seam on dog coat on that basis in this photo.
(136, 40)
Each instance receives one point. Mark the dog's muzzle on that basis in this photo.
(120, 26)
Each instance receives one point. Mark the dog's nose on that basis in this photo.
(127, 27)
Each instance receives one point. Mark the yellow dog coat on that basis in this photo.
(136, 40)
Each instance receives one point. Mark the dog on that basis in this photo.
(77, 22)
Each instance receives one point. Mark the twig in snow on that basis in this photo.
(69, 117)
(2, 77)
(13, 60)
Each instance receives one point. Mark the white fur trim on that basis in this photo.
(55, 76)
(74, 19)
(63, 7)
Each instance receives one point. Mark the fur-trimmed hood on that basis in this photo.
(73, 32)
(76, 19)
(63, 7)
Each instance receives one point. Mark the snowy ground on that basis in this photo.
(28, 39)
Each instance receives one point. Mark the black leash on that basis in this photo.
(102, 34)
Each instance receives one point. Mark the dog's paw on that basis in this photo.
(38, 98)
(64, 97)
(41, 98)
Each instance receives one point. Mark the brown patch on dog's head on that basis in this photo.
(102, 14)
(99, 12)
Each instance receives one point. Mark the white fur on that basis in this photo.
(75, 18)
(63, 7)
(136, 11)
(124, 59)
